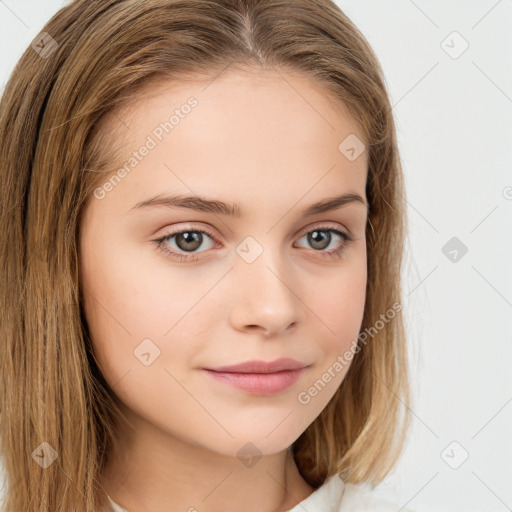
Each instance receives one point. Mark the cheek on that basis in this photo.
(140, 311)
(339, 311)
(124, 295)
(118, 303)
(339, 304)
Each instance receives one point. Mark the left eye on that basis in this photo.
(190, 240)
(321, 238)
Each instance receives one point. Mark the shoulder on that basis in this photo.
(362, 498)
(335, 495)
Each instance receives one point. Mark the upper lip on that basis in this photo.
(284, 363)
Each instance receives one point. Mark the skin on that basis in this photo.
(253, 140)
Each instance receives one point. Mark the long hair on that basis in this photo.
(90, 58)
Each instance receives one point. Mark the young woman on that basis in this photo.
(202, 208)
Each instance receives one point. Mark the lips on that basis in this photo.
(260, 377)
(257, 366)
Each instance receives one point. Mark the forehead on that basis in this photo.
(249, 130)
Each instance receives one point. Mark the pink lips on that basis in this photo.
(260, 377)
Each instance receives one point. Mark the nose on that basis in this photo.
(267, 297)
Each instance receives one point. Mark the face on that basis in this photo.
(174, 286)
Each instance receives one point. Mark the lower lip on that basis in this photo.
(259, 383)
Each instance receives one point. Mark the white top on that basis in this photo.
(335, 496)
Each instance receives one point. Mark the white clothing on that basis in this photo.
(336, 496)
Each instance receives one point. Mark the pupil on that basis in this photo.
(189, 240)
(319, 237)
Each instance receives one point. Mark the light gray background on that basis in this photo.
(455, 134)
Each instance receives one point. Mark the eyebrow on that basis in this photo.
(206, 205)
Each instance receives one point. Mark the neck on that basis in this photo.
(151, 470)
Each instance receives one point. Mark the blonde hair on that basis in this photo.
(51, 138)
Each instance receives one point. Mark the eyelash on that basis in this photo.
(332, 254)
